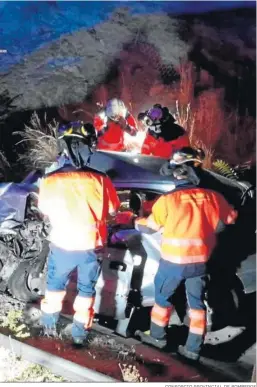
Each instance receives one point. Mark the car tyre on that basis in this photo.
(19, 284)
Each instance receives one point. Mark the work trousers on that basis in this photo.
(60, 264)
(167, 279)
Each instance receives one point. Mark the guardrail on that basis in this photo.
(70, 371)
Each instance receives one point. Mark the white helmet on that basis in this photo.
(115, 109)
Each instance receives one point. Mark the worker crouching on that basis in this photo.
(163, 135)
(190, 218)
(77, 200)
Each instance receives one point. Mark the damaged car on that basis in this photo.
(125, 288)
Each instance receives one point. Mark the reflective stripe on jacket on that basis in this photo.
(159, 147)
(77, 204)
(190, 219)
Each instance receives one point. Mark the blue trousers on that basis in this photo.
(60, 264)
(167, 279)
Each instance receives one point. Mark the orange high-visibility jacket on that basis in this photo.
(190, 219)
(77, 204)
(161, 148)
(113, 135)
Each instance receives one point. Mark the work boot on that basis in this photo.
(148, 339)
(79, 333)
(79, 341)
(188, 354)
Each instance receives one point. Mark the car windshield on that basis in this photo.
(149, 163)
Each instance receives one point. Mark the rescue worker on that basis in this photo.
(164, 136)
(190, 218)
(77, 201)
(193, 157)
(111, 124)
(204, 177)
(146, 201)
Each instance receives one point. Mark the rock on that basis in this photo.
(67, 70)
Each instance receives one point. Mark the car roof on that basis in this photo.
(136, 171)
(132, 170)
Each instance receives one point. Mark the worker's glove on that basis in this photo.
(123, 123)
(166, 169)
(125, 217)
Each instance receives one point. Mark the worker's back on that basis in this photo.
(192, 218)
(77, 203)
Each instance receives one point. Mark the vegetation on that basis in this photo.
(219, 130)
(40, 138)
(37, 373)
(14, 322)
(224, 169)
(131, 374)
(33, 372)
(195, 98)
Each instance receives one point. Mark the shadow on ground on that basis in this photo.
(232, 350)
(226, 351)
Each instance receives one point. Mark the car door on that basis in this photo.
(114, 283)
(130, 262)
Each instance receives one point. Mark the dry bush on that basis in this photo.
(188, 120)
(41, 141)
(185, 87)
(201, 116)
(218, 131)
(131, 374)
(209, 121)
